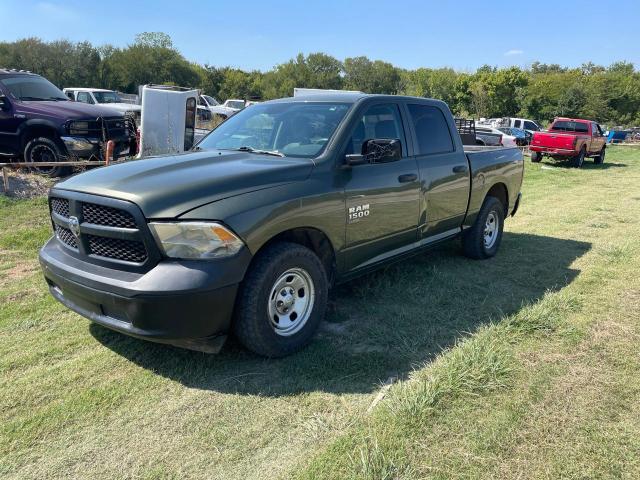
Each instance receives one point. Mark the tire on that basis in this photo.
(272, 323)
(42, 149)
(476, 243)
(536, 157)
(579, 159)
(599, 160)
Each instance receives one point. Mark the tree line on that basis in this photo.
(610, 95)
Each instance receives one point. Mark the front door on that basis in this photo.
(597, 138)
(381, 198)
(9, 123)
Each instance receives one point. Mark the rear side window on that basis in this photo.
(569, 126)
(431, 129)
(530, 126)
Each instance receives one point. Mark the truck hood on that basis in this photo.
(168, 186)
(67, 110)
(122, 107)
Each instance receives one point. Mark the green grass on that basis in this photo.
(521, 366)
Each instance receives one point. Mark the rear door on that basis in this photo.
(381, 198)
(444, 171)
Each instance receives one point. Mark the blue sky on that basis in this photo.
(409, 34)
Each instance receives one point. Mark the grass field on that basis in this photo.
(523, 366)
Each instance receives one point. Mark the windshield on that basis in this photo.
(567, 126)
(294, 129)
(210, 100)
(107, 97)
(236, 104)
(32, 87)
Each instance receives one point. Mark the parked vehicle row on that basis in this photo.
(247, 233)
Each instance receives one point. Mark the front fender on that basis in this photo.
(259, 216)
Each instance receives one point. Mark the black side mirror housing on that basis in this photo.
(355, 159)
(380, 150)
(4, 103)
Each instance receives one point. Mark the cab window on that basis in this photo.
(84, 97)
(378, 122)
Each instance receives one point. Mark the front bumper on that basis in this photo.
(188, 303)
(86, 147)
(553, 151)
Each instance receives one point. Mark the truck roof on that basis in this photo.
(347, 97)
(13, 71)
(84, 89)
(567, 119)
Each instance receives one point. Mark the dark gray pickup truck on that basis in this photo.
(247, 233)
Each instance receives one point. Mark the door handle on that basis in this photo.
(407, 177)
(460, 169)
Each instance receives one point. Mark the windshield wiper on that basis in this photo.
(245, 148)
(34, 99)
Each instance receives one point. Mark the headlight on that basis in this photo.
(192, 240)
(79, 128)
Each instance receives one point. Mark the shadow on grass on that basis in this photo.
(587, 165)
(381, 325)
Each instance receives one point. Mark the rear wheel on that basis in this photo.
(536, 157)
(41, 150)
(599, 160)
(579, 160)
(483, 239)
(282, 300)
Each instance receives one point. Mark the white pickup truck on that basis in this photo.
(225, 110)
(104, 98)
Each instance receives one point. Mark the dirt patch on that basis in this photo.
(26, 185)
(20, 271)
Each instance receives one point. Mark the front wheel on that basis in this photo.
(599, 160)
(281, 301)
(41, 150)
(483, 239)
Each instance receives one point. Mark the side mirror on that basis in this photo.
(382, 150)
(4, 103)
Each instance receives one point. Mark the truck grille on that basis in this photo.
(112, 128)
(119, 249)
(110, 217)
(60, 206)
(107, 233)
(66, 237)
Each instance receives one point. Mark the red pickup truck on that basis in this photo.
(570, 138)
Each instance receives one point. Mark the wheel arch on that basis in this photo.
(311, 237)
(500, 191)
(37, 128)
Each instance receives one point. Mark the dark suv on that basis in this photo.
(39, 123)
